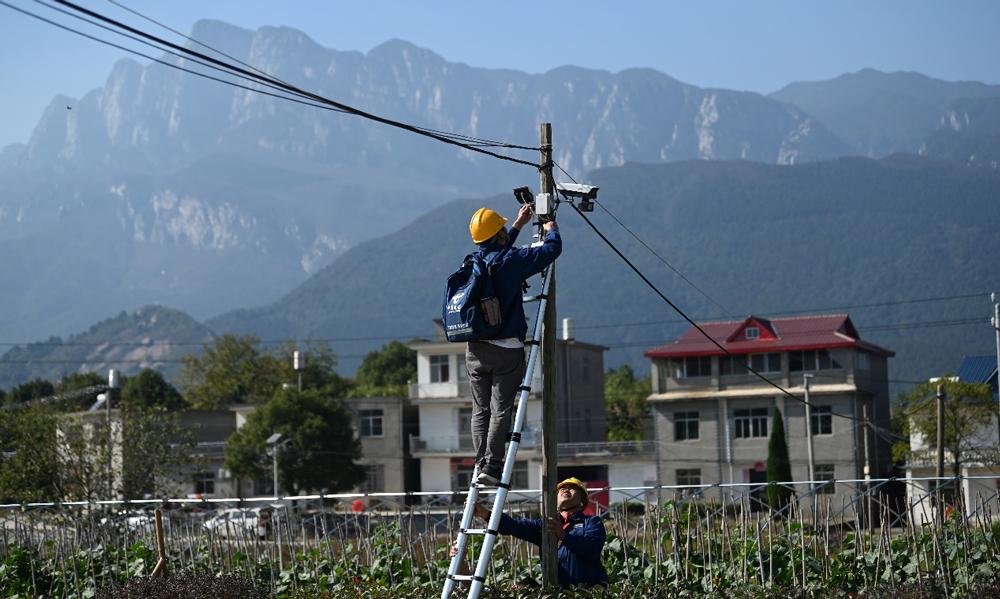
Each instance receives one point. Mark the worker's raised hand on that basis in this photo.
(523, 217)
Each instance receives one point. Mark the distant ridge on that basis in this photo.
(758, 239)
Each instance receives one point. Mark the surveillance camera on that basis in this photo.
(524, 195)
(577, 190)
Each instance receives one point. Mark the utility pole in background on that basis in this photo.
(995, 321)
(114, 396)
(809, 433)
(298, 366)
(940, 453)
(550, 451)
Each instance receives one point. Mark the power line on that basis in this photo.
(271, 81)
(651, 343)
(844, 308)
(685, 316)
(457, 136)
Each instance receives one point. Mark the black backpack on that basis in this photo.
(472, 310)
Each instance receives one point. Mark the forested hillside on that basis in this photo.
(872, 238)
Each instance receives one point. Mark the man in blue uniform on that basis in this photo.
(497, 366)
(581, 537)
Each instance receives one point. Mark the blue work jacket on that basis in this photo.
(580, 552)
(512, 269)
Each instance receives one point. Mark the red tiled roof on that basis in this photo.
(776, 334)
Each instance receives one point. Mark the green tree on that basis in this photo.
(155, 448)
(80, 380)
(318, 363)
(85, 449)
(779, 467)
(386, 372)
(31, 390)
(29, 465)
(969, 421)
(149, 389)
(319, 449)
(233, 369)
(53, 455)
(625, 398)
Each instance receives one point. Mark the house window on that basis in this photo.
(695, 366)
(750, 423)
(821, 420)
(463, 476)
(862, 361)
(439, 369)
(375, 481)
(204, 483)
(815, 359)
(699, 366)
(829, 359)
(685, 426)
(688, 477)
(766, 363)
(662, 374)
(733, 365)
(462, 479)
(753, 333)
(370, 423)
(824, 472)
(797, 361)
(519, 477)
(465, 428)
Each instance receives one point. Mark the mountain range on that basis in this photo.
(163, 188)
(900, 244)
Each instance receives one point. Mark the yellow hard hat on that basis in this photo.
(576, 482)
(485, 224)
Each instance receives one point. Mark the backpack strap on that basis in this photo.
(489, 269)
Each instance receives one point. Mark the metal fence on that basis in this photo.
(667, 526)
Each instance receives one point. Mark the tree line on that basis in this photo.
(54, 446)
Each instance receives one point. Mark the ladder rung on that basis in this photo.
(479, 531)
(531, 298)
(462, 577)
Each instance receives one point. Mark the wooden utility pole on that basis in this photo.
(940, 453)
(550, 440)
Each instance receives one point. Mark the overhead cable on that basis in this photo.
(691, 322)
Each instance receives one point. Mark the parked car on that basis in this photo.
(137, 521)
(232, 523)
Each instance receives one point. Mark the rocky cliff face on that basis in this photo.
(217, 196)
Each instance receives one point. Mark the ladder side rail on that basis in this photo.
(486, 555)
(449, 583)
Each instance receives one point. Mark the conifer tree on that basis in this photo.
(779, 467)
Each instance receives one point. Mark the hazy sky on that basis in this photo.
(753, 45)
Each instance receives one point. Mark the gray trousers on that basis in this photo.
(495, 374)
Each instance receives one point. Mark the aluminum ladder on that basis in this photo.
(482, 563)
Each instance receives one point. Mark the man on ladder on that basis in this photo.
(497, 366)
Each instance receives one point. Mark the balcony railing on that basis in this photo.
(608, 449)
(455, 443)
(463, 443)
(984, 455)
(451, 389)
(533, 442)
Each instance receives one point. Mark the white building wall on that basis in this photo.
(435, 475)
(439, 420)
